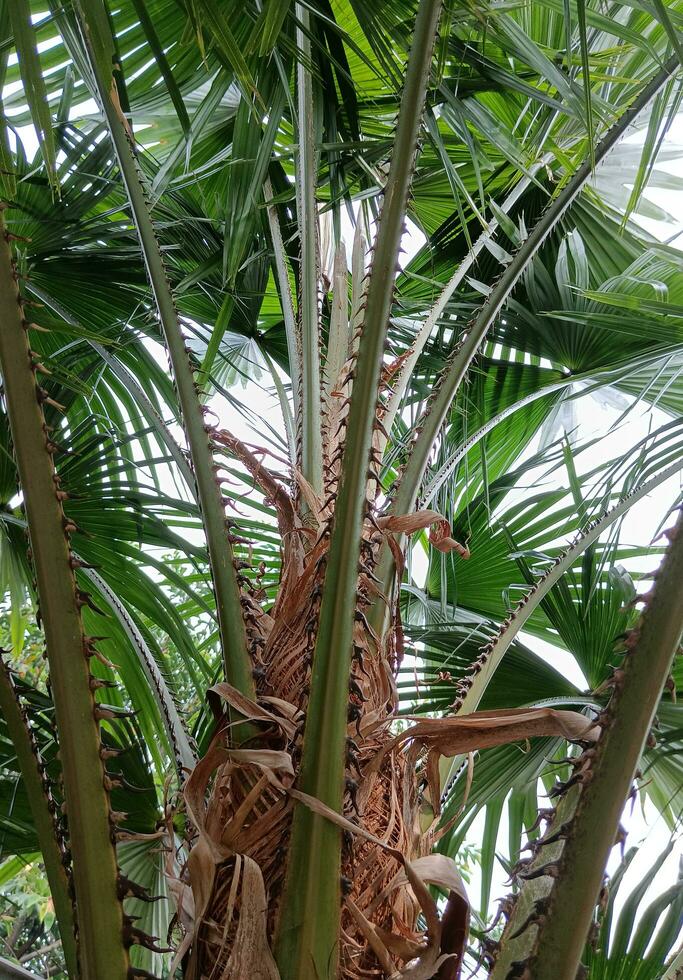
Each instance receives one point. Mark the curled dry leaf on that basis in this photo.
(220, 844)
(401, 946)
(440, 538)
(376, 941)
(436, 869)
(454, 930)
(250, 953)
(248, 710)
(483, 730)
(439, 533)
(313, 502)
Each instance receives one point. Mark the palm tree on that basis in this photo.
(253, 702)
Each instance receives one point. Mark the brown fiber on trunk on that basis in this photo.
(239, 797)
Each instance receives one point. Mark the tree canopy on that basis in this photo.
(232, 187)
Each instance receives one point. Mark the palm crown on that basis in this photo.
(197, 170)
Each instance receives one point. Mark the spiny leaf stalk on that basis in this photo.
(572, 854)
(237, 669)
(101, 951)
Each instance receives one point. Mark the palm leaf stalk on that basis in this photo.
(179, 742)
(311, 444)
(53, 847)
(285, 294)
(97, 39)
(309, 925)
(550, 926)
(92, 827)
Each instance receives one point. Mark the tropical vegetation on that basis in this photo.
(287, 675)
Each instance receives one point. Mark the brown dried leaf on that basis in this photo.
(201, 866)
(454, 930)
(269, 760)
(436, 869)
(251, 956)
(313, 502)
(427, 966)
(286, 709)
(375, 940)
(195, 798)
(279, 761)
(267, 480)
(427, 903)
(401, 946)
(183, 900)
(446, 948)
(439, 534)
(482, 730)
(250, 710)
(123, 118)
(409, 523)
(485, 729)
(440, 537)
